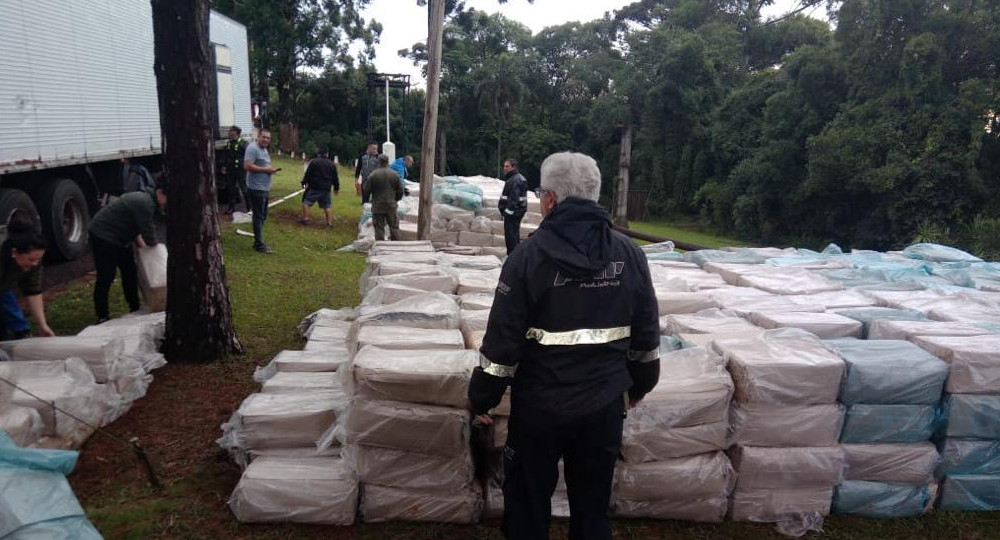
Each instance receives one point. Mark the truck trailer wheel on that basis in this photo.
(13, 202)
(64, 216)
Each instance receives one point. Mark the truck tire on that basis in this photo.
(64, 216)
(12, 202)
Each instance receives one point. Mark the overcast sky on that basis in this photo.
(404, 23)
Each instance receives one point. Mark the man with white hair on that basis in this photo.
(574, 332)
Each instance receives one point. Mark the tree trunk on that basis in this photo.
(624, 165)
(288, 138)
(435, 28)
(199, 314)
(442, 149)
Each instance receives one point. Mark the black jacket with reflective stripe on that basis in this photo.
(574, 274)
(515, 196)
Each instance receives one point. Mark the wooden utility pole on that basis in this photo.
(199, 314)
(435, 29)
(624, 165)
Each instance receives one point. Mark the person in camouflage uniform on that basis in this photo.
(385, 189)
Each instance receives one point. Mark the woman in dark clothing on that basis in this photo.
(21, 264)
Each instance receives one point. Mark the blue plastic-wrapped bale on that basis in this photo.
(889, 372)
(867, 315)
(970, 492)
(969, 456)
(938, 253)
(889, 423)
(881, 500)
(743, 256)
(973, 415)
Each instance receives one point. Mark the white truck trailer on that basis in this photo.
(79, 116)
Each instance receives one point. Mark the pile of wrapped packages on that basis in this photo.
(794, 384)
(55, 391)
(465, 214)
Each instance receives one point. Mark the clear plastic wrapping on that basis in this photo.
(969, 456)
(889, 329)
(703, 476)
(476, 300)
(702, 510)
(282, 420)
(787, 366)
(938, 253)
(99, 353)
(709, 321)
(882, 500)
(22, 424)
(832, 300)
(380, 503)
(974, 361)
(474, 320)
(335, 332)
(389, 293)
(787, 281)
(741, 256)
(889, 423)
(894, 463)
(771, 304)
(665, 443)
(671, 302)
(779, 504)
(406, 338)
(431, 280)
(318, 490)
(868, 315)
(432, 310)
(786, 425)
(822, 325)
(787, 468)
(425, 429)
(7, 381)
(436, 377)
(477, 281)
(151, 264)
(301, 361)
(889, 372)
(410, 470)
(290, 381)
(326, 317)
(970, 492)
(969, 415)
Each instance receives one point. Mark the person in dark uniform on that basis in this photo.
(574, 332)
(236, 177)
(513, 204)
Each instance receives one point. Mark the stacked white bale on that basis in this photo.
(891, 389)
(785, 423)
(318, 490)
(868, 316)
(703, 328)
(22, 424)
(672, 443)
(971, 457)
(822, 325)
(406, 431)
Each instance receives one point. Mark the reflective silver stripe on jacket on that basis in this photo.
(643, 356)
(497, 370)
(585, 336)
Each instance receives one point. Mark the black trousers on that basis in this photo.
(512, 231)
(109, 259)
(588, 445)
(258, 204)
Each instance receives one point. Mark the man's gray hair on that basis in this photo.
(569, 174)
(383, 159)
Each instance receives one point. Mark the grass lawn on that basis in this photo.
(683, 232)
(178, 421)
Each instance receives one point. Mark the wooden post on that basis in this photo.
(199, 313)
(435, 30)
(624, 164)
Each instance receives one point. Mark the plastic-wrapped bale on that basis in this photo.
(742, 256)
(785, 366)
(709, 321)
(938, 253)
(787, 281)
(766, 505)
(694, 488)
(687, 341)
(381, 503)
(822, 325)
(331, 333)
(671, 302)
(833, 300)
(882, 500)
(786, 425)
(468, 238)
(889, 329)
(970, 492)
(410, 470)
(36, 501)
(290, 381)
(889, 423)
(477, 300)
(448, 212)
(318, 490)
(432, 310)
(139, 338)
(685, 414)
(70, 386)
(436, 377)
(969, 456)
(889, 372)
(893, 463)
(327, 317)
(433, 279)
(974, 361)
(408, 230)
(477, 281)
(787, 468)
(405, 338)
(470, 262)
(425, 429)
(22, 424)
(972, 416)
(99, 353)
(474, 320)
(151, 263)
(866, 316)
(307, 361)
(768, 304)
(474, 339)
(281, 420)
